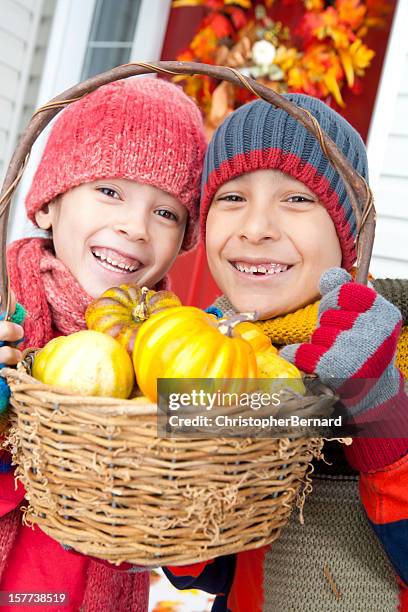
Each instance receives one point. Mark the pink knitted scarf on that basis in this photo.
(55, 304)
(54, 300)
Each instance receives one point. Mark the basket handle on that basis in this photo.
(357, 188)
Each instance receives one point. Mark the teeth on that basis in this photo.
(262, 269)
(113, 263)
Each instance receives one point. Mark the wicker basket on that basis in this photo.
(99, 479)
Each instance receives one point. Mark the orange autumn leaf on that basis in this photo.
(328, 20)
(219, 24)
(193, 87)
(186, 56)
(206, 94)
(319, 73)
(204, 45)
(300, 79)
(320, 58)
(297, 79)
(286, 57)
(332, 85)
(355, 60)
(351, 12)
(361, 56)
(347, 64)
(328, 25)
(314, 5)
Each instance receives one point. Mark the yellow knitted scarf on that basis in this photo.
(298, 326)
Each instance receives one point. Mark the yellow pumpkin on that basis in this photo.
(186, 342)
(255, 336)
(88, 363)
(282, 373)
(120, 311)
(270, 364)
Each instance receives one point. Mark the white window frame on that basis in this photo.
(63, 66)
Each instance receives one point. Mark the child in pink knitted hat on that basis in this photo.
(118, 188)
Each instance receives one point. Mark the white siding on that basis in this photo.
(12, 50)
(18, 24)
(37, 62)
(388, 156)
(16, 18)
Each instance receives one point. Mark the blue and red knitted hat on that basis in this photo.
(259, 136)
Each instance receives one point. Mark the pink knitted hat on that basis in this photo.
(142, 129)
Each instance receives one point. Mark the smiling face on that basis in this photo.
(115, 231)
(268, 241)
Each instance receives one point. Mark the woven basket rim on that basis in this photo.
(59, 395)
(22, 381)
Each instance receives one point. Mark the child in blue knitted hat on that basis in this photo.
(281, 240)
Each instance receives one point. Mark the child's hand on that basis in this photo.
(10, 332)
(356, 334)
(355, 342)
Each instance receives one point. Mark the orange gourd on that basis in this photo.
(120, 311)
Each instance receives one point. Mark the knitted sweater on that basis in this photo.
(337, 537)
